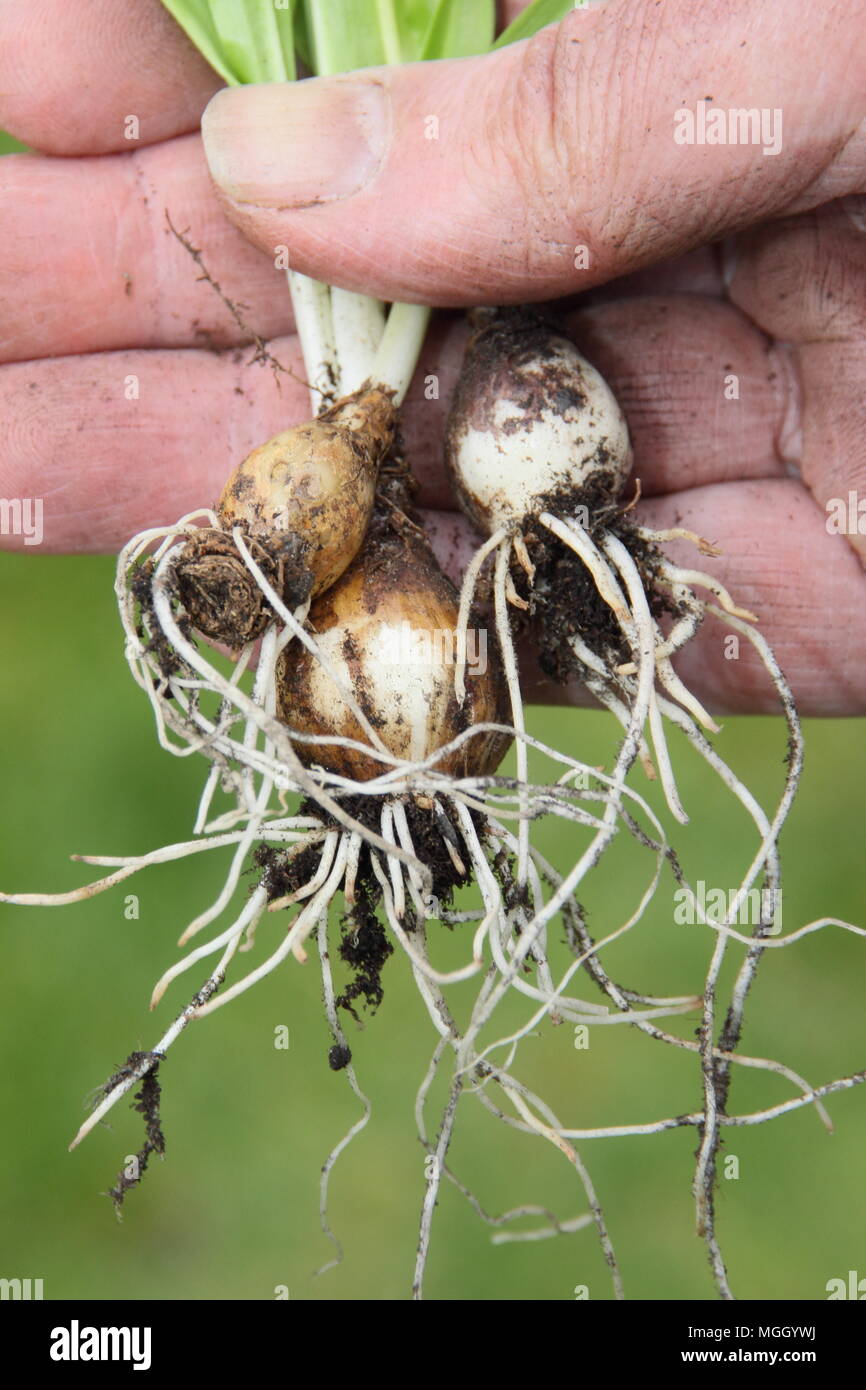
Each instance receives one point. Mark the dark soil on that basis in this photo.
(222, 599)
(147, 1102)
(512, 895)
(564, 600)
(364, 944)
(365, 947)
(282, 874)
(148, 627)
(339, 1056)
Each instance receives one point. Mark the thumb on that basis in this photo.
(623, 135)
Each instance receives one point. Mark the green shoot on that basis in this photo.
(536, 16)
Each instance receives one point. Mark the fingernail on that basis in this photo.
(295, 144)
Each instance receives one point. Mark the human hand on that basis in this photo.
(561, 144)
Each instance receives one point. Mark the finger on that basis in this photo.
(706, 395)
(71, 76)
(118, 441)
(778, 560)
(804, 281)
(551, 165)
(697, 272)
(89, 263)
(706, 399)
(112, 443)
(145, 66)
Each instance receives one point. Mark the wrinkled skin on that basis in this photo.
(705, 265)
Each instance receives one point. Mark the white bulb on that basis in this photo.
(553, 425)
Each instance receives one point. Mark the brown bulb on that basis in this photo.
(303, 502)
(316, 482)
(388, 627)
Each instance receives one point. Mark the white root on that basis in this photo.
(706, 581)
(367, 1109)
(467, 595)
(231, 936)
(512, 680)
(254, 760)
(573, 535)
(135, 1074)
(293, 941)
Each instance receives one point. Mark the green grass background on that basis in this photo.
(232, 1212)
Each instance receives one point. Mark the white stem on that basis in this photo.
(400, 348)
(344, 342)
(311, 302)
(359, 323)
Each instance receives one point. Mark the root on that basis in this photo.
(577, 539)
(512, 679)
(399, 843)
(262, 353)
(147, 1104)
(125, 1082)
(706, 581)
(434, 1179)
(339, 1041)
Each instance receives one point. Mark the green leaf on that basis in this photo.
(303, 43)
(536, 16)
(243, 40)
(194, 18)
(8, 145)
(344, 35)
(460, 28)
(256, 38)
(414, 18)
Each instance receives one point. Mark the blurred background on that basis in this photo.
(232, 1212)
